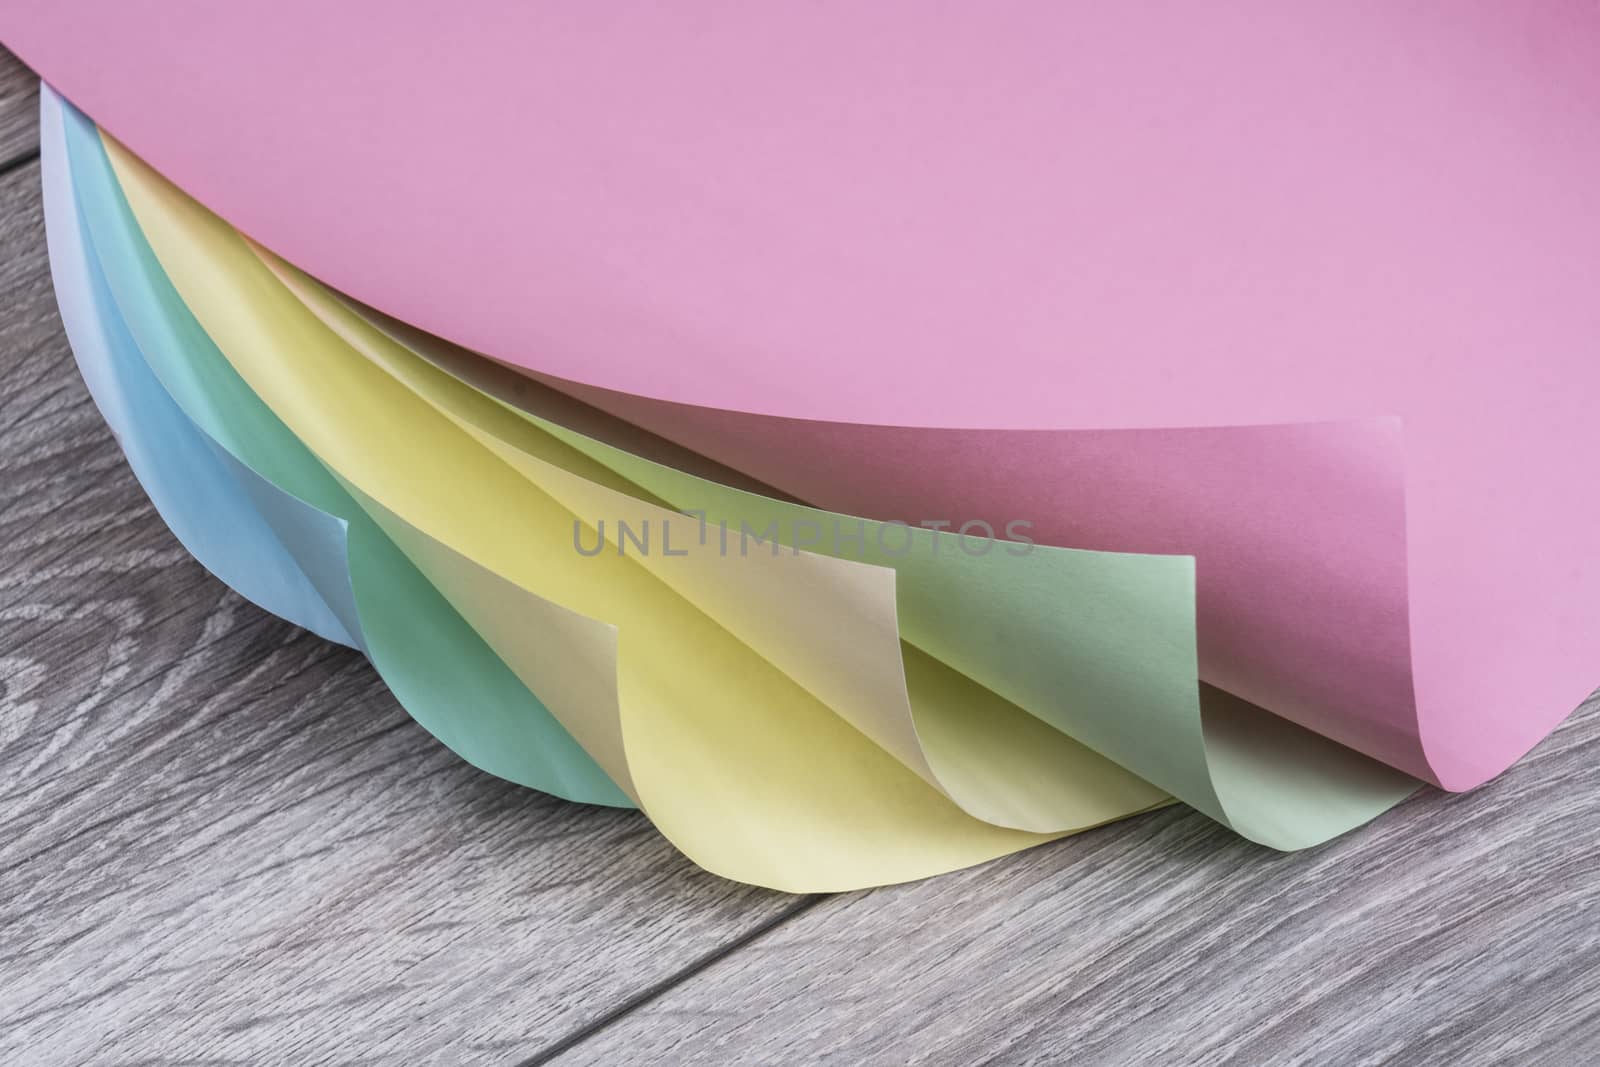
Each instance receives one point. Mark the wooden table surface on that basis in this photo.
(222, 842)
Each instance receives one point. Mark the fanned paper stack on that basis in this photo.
(870, 441)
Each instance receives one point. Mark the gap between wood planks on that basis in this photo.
(645, 996)
(18, 162)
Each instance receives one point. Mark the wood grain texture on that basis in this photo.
(220, 838)
(222, 842)
(19, 111)
(1456, 930)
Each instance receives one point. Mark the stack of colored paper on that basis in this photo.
(870, 441)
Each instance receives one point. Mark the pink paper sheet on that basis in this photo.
(1373, 217)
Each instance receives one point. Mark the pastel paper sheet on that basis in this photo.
(1305, 291)
(197, 488)
(1272, 781)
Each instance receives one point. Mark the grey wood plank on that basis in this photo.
(19, 110)
(221, 841)
(1456, 930)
